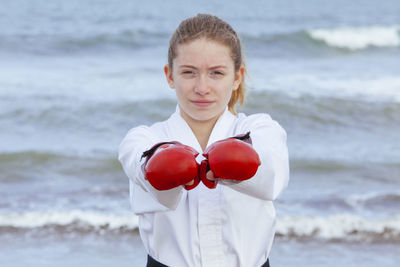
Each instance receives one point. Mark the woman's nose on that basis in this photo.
(202, 86)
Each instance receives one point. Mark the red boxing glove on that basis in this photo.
(233, 158)
(171, 164)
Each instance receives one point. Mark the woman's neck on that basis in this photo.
(201, 129)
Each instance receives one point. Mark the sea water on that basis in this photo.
(75, 76)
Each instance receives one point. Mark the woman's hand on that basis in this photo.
(190, 183)
(210, 176)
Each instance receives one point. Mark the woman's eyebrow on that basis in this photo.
(219, 67)
(187, 66)
(212, 67)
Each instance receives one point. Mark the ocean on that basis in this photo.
(75, 76)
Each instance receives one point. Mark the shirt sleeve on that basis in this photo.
(144, 197)
(269, 141)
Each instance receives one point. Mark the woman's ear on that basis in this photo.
(238, 77)
(168, 75)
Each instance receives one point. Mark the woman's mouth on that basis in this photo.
(202, 103)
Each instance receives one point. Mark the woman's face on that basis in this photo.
(204, 77)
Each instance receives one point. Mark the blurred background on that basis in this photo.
(75, 76)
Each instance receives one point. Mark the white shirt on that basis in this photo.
(231, 225)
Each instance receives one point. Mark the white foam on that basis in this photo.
(354, 38)
(35, 219)
(339, 226)
(86, 78)
(383, 88)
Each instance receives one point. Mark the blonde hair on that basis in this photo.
(215, 29)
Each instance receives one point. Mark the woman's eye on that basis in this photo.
(217, 73)
(188, 73)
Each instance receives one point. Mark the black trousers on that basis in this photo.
(153, 263)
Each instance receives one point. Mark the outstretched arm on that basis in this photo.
(269, 141)
(144, 197)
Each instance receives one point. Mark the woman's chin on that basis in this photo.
(205, 116)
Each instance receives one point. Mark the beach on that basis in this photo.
(76, 76)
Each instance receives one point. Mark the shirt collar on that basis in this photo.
(181, 132)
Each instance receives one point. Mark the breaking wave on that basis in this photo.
(354, 38)
(338, 227)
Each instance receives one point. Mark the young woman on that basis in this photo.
(222, 220)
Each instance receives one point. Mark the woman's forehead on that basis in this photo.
(203, 51)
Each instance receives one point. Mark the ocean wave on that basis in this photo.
(375, 200)
(339, 227)
(74, 220)
(41, 164)
(338, 103)
(94, 41)
(385, 202)
(358, 38)
(319, 42)
(125, 38)
(307, 109)
(323, 165)
(367, 89)
(331, 165)
(95, 115)
(350, 38)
